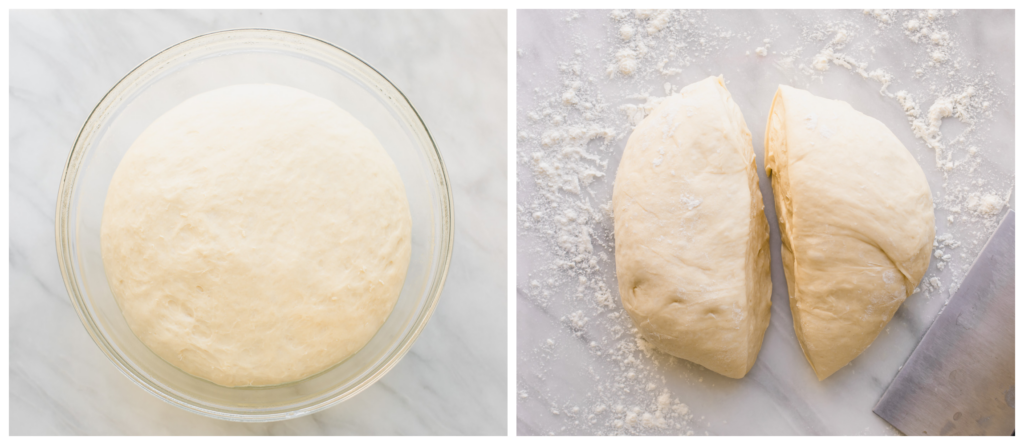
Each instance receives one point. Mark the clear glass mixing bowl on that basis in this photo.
(213, 61)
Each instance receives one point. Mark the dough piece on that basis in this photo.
(256, 235)
(691, 238)
(856, 218)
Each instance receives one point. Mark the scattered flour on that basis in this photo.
(884, 16)
(567, 140)
(690, 202)
(928, 127)
(625, 63)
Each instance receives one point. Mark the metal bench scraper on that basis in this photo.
(959, 380)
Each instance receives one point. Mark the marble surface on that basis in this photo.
(452, 65)
(567, 344)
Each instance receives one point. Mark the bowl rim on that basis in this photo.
(65, 257)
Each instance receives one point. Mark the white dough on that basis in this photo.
(691, 238)
(256, 235)
(856, 218)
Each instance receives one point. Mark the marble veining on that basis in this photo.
(452, 65)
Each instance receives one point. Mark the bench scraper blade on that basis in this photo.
(959, 380)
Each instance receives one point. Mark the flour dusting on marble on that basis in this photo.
(565, 145)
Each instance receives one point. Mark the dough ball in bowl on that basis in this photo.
(256, 235)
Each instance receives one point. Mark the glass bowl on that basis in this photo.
(213, 61)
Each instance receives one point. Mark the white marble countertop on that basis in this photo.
(568, 381)
(451, 65)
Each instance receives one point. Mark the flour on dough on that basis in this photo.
(691, 238)
(256, 235)
(855, 214)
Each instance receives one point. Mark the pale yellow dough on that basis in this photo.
(856, 218)
(256, 235)
(691, 238)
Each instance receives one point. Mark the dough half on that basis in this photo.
(256, 235)
(691, 238)
(856, 218)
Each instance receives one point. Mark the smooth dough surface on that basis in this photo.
(856, 218)
(691, 238)
(256, 235)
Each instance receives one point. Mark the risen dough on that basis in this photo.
(856, 218)
(256, 235)
(691, 238)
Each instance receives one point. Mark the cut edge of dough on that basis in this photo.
(776, 165)
(755, 334)
(758, 268)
